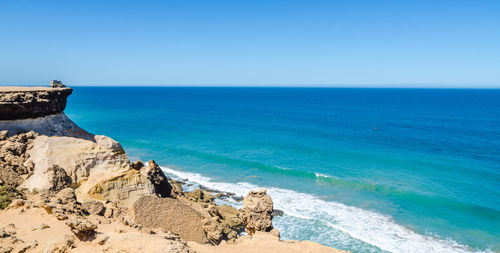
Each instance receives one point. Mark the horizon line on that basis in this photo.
(386, 86)
(285, 87)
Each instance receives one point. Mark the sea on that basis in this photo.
(359, 169)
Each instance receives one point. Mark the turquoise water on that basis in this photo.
(366, 170)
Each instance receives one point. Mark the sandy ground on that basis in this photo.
(264, 242)
(35, 224)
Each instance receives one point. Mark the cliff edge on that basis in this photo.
(32, 102)
(38, 109)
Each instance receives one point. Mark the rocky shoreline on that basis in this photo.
(63, 189)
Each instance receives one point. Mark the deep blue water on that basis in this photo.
(366, 170)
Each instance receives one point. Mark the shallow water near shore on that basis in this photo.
(366, 170)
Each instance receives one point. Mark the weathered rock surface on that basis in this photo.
(229, 215)
(66, 196)
(13, 157)
(62, 205)
(58, 178)
(216, 222)
(228, 223)
(82, 228)
(3, 135)
(124, 189)
(84, 161)
(93, 207)
(257, 212)
(199, 195)
(31, 102)
(170, 214)
(107, 143)
(132, 184)
(99, 169)
(137, 165)
(52, 125)
(222, 222)
(156, 176)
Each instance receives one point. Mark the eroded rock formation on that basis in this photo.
(170, 214)
(58, 179)
(13, 157)
(156, 176)
(31, 102)
(94, 207)
(257, 212)
(52, 125)
(84, 161)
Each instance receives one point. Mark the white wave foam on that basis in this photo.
(322, 175)
(282, 168)
(370, 227)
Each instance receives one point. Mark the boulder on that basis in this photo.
(229, 223)
(257, 212)
(8, 175)
(156, 176)
(200, 195)
(108, 143)
(220, 222)
(3, 135)
(108, 212)
(58, 178)
(63, 204)
(170, 214)
(123, 189)
(93, 207)
(137, 165)
(278, 213)
(66, 196)
(82, 228)
(176, 187)
(230, 216)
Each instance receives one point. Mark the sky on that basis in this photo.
(355, 43)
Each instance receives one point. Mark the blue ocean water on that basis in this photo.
(366, 170)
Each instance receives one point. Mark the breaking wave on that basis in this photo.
(337, 219)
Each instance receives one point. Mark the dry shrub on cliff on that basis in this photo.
(7, 194)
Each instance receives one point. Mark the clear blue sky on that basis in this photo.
(281, 43)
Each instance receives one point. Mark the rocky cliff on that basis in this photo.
(65, 190)
(31, 102)
(38, 109)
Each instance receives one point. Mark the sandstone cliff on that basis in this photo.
(31, 102)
